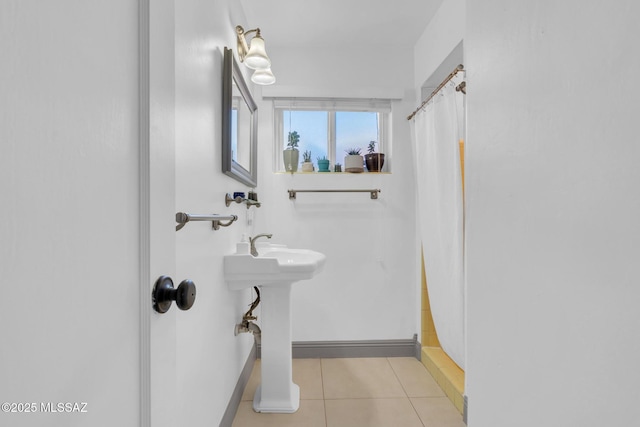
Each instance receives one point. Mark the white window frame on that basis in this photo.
(381, 106)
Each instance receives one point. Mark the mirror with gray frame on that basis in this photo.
(239, 125)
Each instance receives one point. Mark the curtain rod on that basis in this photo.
(444, 82)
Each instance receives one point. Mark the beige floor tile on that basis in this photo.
(359, 392)
(359, 378)
(310, 414)
(306, 373)
(371, 413)
(437, 412)
(414, 377)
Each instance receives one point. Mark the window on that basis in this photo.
(330, 127)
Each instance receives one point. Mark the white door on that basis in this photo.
(86, 213)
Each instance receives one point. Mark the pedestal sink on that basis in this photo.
(274, 270)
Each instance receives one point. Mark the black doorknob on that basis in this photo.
(164, 293)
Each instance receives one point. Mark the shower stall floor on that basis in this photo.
(447, 374)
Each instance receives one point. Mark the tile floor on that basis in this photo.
(358, 392)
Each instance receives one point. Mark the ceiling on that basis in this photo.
(333, 23)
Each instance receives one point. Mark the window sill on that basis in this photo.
(331, 173)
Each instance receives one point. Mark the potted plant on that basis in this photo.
(353, 161)
(323, 164)
(374, 160)
(307, 166)
(291, 153)
(337, 167)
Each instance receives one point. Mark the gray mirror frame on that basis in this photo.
(231, 72)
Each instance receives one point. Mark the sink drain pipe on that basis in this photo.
(247, 325)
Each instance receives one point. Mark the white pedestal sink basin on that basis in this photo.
(274, 270)
(275, 264)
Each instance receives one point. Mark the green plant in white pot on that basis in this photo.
(353, 161)
(291, 153)
(307, 165)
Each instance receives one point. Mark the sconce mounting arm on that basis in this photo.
(243, 47)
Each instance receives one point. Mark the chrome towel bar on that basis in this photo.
(183, 218)
(374, 192)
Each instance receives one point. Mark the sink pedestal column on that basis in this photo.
(277, 393)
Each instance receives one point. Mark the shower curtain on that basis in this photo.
(437, 131)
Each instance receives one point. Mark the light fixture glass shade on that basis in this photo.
(257, 58)
(263, 77)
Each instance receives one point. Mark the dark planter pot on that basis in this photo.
(374, 161)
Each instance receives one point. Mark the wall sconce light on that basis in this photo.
(254, 56)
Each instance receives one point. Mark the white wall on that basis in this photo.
(432, 52)
(553, 209)
(209, 357)
(369, 288)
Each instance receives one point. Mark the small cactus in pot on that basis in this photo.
(307, 165)
(323, 164)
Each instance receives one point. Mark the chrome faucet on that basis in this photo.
(252, 241)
